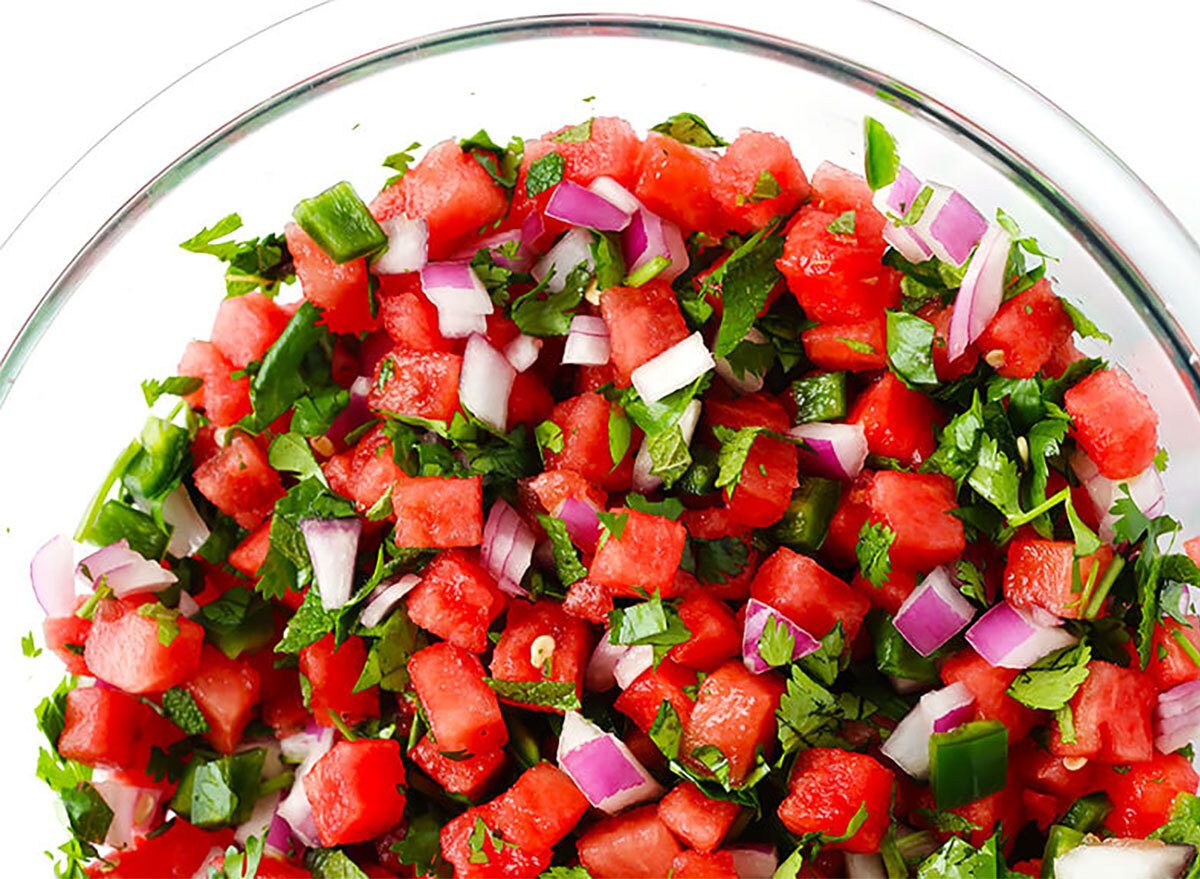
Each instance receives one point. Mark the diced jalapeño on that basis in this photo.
(163, 446)
(894, 656)
(1059, 839)
(805, 522)
(1086, 813)
(820, 397)
(118, 520)
(701, 476)
(968, 763)
(340, 223)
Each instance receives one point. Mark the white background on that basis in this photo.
(71, 69)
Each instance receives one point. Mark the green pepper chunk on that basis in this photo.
(1086, 813)
(340, 224)
(701, 475)
(1059, 839)
(163, 447)
(820, 397)
(896, 657)
(968, 763)
(805, 522)
(119, 520)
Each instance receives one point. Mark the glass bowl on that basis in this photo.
(325, 95)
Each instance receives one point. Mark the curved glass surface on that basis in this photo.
(114, 300)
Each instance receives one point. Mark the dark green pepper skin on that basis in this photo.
(968, 763)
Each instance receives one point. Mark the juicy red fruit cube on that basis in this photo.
(699, 821)
(916, 506)
(1114, 423)
(827, 788)
(240, 482)
(417, 383)
(642, 323)
(673, 182)
(470, 777)
(1041, 573)
(100, 728)
(333, 673)
(356, 790)
(989, 685)
(223, 399)
(1027, 331)
(542, 807)
(246, 326)
(462, 709)
(764, 489)
(742, 166)
(646, 555)
(341, 291)
(432, 511)
(735, 712)
(456, 600)
(856, 346)
(1111, 712)
(226, 691)
(715, 634)
(570, 644)
(808, 595)
(1142, 795)
(584, 422)
(898, 422)
(632, 845)
(124, 648)
(65, 638)
(640, 701)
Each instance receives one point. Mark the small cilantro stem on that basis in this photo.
(1045, 507)
(89, 607)
(1102, 588)
(118, 470)
(1186, 646)
(277, 782)
(648, 272)
(341, 726)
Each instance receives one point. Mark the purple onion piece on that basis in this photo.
(582, 523)
(1007, 637)
(577, 206)
(757, 616)
(981, 292)
(53, 576)
(933, 613)
(838, 451)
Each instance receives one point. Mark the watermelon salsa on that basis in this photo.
(617, 506)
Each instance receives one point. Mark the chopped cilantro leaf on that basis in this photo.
(874, 552)
(970, 581)
(714, 561)
(776, 644)
(28, 648)
(910, 348)
(181, 709)
(956, 859)
(290, 453)
(843, 224)
(649, 622)
(549, 438)
(1161, 460)
(670, 456)
(566, 557)
(613, 525)
(550, 315)
(620, 435)
(176, 385)
(1083, 325)
(421, 846)
(399, 163)
(765, 187)
(669, 508)
(735, 447)
(744, 281)
(558, 695)
(167, 619)
(1050, 682)
(331, 863)
(575, 133)
(806, 712)
(995, 477)
(258, 263)
(856, 345)
(690, 129)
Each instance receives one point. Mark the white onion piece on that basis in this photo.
(904, 241)
(454, 286)
(187, 605)
(53, 576)
(587, 342)
(933, 613)
(865, 866)
(637, 659)
(675, 368)
(748, 382)
(601, 668)
(189, 531)
(754, 860)
(981, 293)
(507, 548)
(938, 711)
(576, 206)
(609, 189)
(107, 558)
(573, 248)
(1009, 637)
(295, 808)
(838, 451)
(259, 822)
(758, 615)
(133, 810)
(1146, 490)
(949, 224)
(332, 546)
(643, 479)
(1127, 858)
(1177, 717)
(408, 246)
(383, 601)
(298, 746)
(461, 324)
(602, 767)
(138, 577)
(522, 352)
(485, 383)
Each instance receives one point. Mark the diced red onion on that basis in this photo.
(614, 192)
(754, 860)
(933, 613)
(748, 382)
(461, 324)
(577, 206)
(187, 605)
(261, 818)
(637, 659)
(279, 836)
(950, 225)
(838, 451)
(938, 711)
(1127, 858)
(587, 342)
(757, 616)
(533, 233)
(649, 235)
(522, 352)
(582, 523)
(332, 548)
(408, 246)
(454, 286)
(675, 368)
(107, 558)
(53, 576)
(138, 577)
(1177, 717)
(1009, 637)
(897, 197)
(133, 808)
(295, 808)
(643, 479)
(859, 866)
(573, 248)
(495, 244)
(602, 767)
(907, 243)
(1146, 490)
(485, 383)
(357, 412)
(601, 668)
(507, 549)
(384, 599)
(981, 292)
(189, 530)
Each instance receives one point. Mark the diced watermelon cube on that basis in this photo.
(632, 845)
(641, 700)
(1170, 664)
(339, 290)
(642, 323)
(1114, 423)
(891, 592)
(1143, 793)
(530, 401)
(332, 674)
(1042, 771)
(808, 595)
(699, 821)
(124, 649)
(715, 634)
(739, 173)
(434, 511)
(525, 623)
(735, 713)
(947, 370)
(989, 686)
(101, 727)
(65, 638)
(848, 518)
(1111, 712)
(673, 182)
(898, 421)
(645, 556)
(223, 399)
(178, 853)
(703, 865)
(546, 492)
(749, 410)
(1027, 331)
(419, 383)
(1041, 573)
(588, 601)
(470, 776)
(456, 600)
(541, 807)
(916, 506)
(482, 861)
(226, 691)
(856, 346)
(246, 326)
(828, 786)
(611, 150)
(240, 482)
(356, 790)
(584, 422)
(461, 707)
(409, 318)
